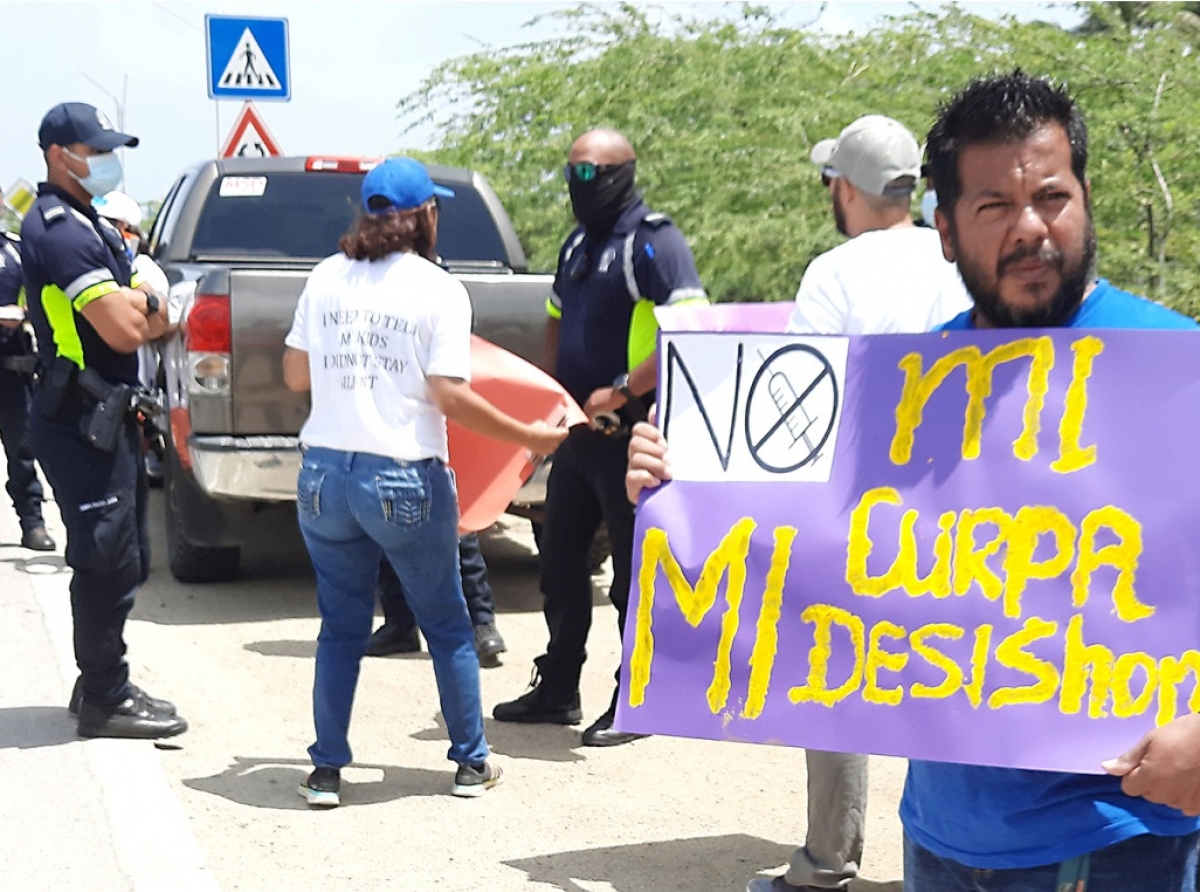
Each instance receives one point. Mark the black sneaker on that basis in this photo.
(392, 638)
(131, 718)
(165, 707)
(323, 788)
(541, 706)
(470, 782)
(489, 644)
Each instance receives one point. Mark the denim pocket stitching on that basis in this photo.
(308, 490)
(404, 496)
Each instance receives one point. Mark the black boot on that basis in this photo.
(392, 638)
(544, 703)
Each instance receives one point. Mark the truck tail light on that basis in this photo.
(209, 341)
(208, 325)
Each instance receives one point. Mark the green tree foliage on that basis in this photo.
(724, 112)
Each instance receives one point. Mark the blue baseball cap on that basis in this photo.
(71, 122)
(403, 183)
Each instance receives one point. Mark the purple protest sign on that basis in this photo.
(963, 546)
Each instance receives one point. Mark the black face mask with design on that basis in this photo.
(598, 203)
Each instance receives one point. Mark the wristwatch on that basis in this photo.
(152, 303)
(621, 385)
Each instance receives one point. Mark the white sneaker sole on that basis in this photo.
(474, 791)
(320, 798)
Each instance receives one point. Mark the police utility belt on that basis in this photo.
(102, 407)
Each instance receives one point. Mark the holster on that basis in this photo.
(55, 387)
(110, 405)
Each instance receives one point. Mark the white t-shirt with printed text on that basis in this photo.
(887, 281)
(374, 332)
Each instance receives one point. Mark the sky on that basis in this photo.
(351, 61)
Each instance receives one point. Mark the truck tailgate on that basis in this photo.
(262, 303)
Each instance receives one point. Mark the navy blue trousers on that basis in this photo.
(23, 486)
(103, 498)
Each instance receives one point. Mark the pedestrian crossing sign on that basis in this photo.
(248, 58)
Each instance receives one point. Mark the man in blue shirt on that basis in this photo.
(1008, 157)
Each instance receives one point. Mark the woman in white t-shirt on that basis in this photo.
(381, 337)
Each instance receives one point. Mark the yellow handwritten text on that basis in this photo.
(956, 567)
(980, 367)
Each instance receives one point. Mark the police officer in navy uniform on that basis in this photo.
(16, 357)
(89, 317)
(621, 262)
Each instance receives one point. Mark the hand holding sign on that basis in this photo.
(1164, 767)
(648, 466)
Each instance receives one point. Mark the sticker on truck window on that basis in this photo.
(243, 187)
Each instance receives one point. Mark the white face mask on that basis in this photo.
(104, 172)
(928, 206)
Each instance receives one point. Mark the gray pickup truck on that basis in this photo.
(238, 238)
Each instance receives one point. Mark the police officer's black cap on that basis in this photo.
(71, 122)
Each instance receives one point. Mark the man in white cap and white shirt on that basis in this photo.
(890, 277)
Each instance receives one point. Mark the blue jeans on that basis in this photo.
(1143, 863)
(481, 603)
(352, 507)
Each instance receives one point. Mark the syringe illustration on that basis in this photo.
(787, 401)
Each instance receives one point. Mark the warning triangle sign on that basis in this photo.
(248, 67)
(250, 137)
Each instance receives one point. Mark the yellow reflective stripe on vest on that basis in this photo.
(643, 334)
(553, 311)
(643, 329)
(135, 279)
(87, 280)
(60, 315)
(94, 293)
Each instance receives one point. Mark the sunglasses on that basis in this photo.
(828, 174)
(586, 171)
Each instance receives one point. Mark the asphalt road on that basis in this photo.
(659, 814)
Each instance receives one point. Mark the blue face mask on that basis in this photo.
(104, 173)
(928, 206)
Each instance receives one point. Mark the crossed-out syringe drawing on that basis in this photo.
(790, 409)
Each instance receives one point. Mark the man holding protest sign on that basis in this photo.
(1009, 157)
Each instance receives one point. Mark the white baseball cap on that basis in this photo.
(876, 153)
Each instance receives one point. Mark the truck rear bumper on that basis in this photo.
(261, 469)
(264, 469)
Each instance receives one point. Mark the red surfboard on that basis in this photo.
(489, 472)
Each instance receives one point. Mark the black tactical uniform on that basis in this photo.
(16, 368)
(84, 430)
